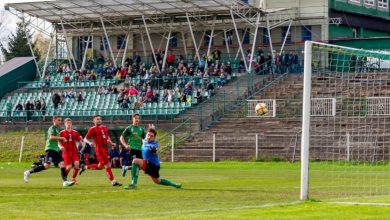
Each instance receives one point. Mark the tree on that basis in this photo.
(41, 44)
(17, 45)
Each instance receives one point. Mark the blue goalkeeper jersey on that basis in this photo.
(147, 152)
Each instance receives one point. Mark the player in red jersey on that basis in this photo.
(99, 135)
(69, 149)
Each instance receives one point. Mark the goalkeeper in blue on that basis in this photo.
(150, 163)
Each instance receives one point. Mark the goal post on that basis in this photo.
(345, 124)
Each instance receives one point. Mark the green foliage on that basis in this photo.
(17, 45)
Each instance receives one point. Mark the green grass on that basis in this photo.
(224, 190)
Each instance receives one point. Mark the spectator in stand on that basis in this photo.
(29, 107)
(124, 105)
(148, 96)
(80, 97)
(66, 69)
(217, 54)
(56, 98)
(170, 59)
(38, 106)
(228, 69)
(71, 94)
(18, 109)
(241, 65)
(268, 61)
(277, 63)
(132, 91)
(43, 110)
(66, 78)
(137, 104)
(60, 69)
(198, 96)
(221, 79)
(170, 97)
(156, 96)
(183, 97)
(114, 157)
(9, 112)
(120, 98)
(210, 89)
(100, 90)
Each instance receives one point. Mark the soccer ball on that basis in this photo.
(261, 109)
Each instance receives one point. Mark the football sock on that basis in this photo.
(92, 166)
(109, 174)
(64, 174)
(166, 182)
(37, 169)
(75, 172)
(134, 174)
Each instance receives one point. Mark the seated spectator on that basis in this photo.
(133, 91)
(38, 105)
(170, 97)
(56, 98)
(71, 94)
(198, 96)
(188, 88)
(124, 105)
(114, 157)
(148, 95)
(137, 104)
(60, 69)
(210, 89)
(29, 107)
(183, 97)
(18, 109)
(120, 98)
(156, 96)
(80, 97)
(66, 68)
(43, 110)
(221, 80)
(66, 78)
(100, 90)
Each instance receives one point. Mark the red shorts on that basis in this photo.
(102, 157)
(70, 158)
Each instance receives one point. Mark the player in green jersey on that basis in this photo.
(52, 153)
(132, 138)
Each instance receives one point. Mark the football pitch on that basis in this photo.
(223, 190)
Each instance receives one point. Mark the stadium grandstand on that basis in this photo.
(178, 62)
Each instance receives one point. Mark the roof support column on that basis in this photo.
(119, 50)
(254, 41)
(193, 38)
(108, 41)
(86, 48)
(143, 44)
(211, 36)
(242, 42)
(85, 52)
(285, 37)
(104, 45)
(239, 40)
(161, 41)
(70, 53)
(201, 40)
(226, 42)
(126, 47)
(47, 54)
(269, 36)
(166, 50)
(184, 43)
(30, 46)
(150, 42)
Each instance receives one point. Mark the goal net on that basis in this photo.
(345, 148)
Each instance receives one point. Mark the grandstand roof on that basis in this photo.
(73, 10)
